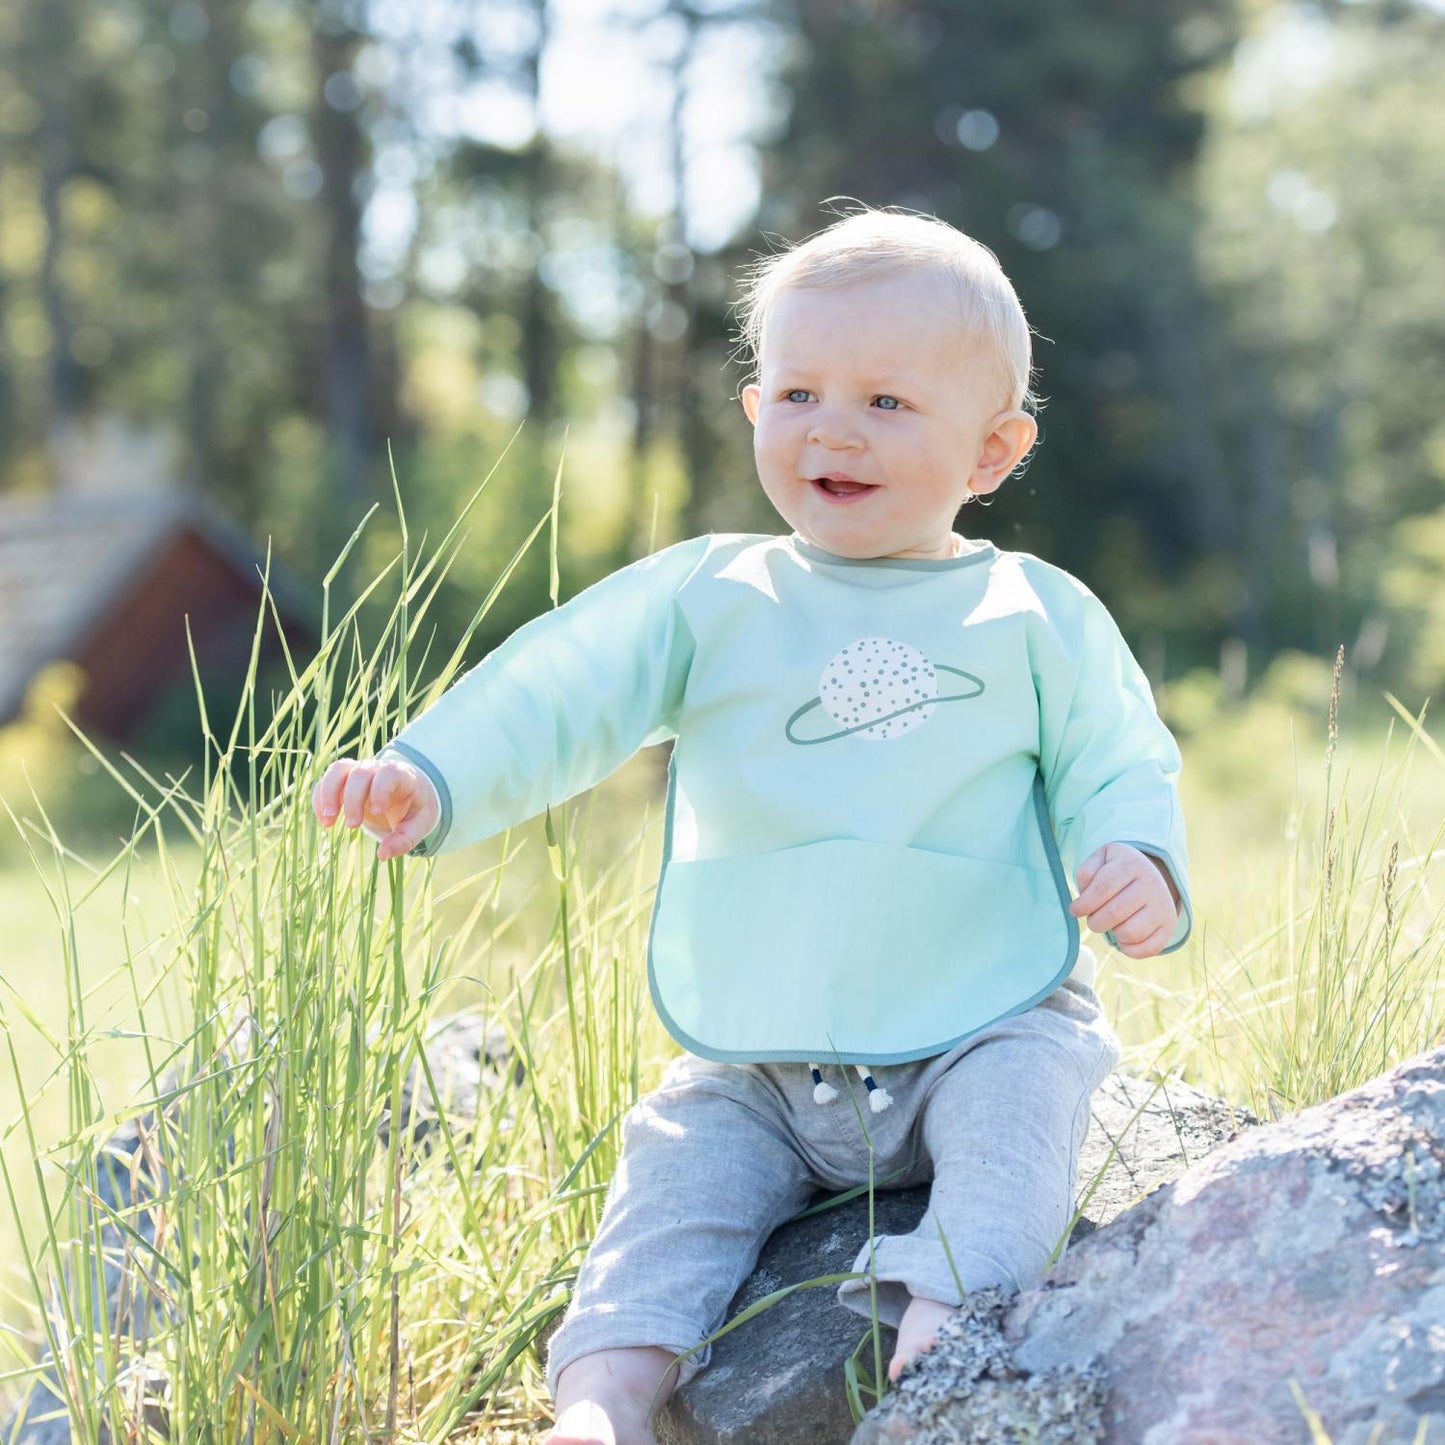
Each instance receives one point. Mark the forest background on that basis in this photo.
(292, 244)
(312, 256)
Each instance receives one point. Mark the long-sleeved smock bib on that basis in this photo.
(886, 771)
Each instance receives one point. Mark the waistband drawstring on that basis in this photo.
(825, 1093)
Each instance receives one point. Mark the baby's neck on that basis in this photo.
(951, 546)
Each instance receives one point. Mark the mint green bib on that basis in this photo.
(886, 773)
(852, 951)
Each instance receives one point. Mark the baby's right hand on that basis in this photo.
(388, 797)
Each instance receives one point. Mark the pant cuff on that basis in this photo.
(904, 1267)
(604, 1327)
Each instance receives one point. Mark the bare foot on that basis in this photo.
(917, 1330)
(606, 1398)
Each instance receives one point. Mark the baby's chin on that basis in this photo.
(856, 548)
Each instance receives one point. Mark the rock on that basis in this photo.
(1293, 1280)
(128, 1170)
(780, 1376)
(778, 1379)
(985, 1397)
(1143, 1134)
(468, 1059)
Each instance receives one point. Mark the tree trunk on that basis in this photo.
(55, 39)
(346, 357)
(540, 341)
(202, 208)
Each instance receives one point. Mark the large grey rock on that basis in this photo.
(778, 1379)
(1295, 1277)
(780, 1376)
(1141, 1134)
(984, 1396)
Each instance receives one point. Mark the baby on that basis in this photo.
(894, 745)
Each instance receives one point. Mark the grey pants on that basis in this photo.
(721, 1154)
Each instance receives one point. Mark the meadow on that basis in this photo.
(262, 990)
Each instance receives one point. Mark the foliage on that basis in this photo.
(1319, 954)
(313, 1281)
(263, 230)
(41, 758)
(1360, 930)
(1412, 597)
(1320, 242)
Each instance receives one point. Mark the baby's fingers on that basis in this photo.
(406, 806)
(326, 795)
(403, 838)
(393, 794)
(356, 795)
(1084, 874)
(1148, 947)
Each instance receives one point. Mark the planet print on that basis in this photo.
(876, 689)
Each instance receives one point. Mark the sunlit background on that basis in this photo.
(268, 266)
(271, 253)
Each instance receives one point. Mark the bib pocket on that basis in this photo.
(852, 950)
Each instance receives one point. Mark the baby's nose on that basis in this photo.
(834, 431)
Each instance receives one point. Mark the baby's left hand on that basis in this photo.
(1126, 892)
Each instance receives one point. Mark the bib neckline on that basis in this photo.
(979, 552)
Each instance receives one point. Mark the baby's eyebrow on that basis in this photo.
(890, 383)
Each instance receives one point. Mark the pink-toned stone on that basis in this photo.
(1306, 1256)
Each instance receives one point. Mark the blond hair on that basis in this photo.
(869, 244)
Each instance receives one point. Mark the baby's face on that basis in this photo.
(875, 420)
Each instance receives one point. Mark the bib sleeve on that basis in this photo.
(563, 702)
(1110, 766)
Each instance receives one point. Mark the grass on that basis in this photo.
(1319, 953)
(270, 986)
(314, 1285)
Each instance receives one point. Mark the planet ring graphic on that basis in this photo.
(877, 689)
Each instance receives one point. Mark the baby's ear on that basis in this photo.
(1003, 449)
(749, 397)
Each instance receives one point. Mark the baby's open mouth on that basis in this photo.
(841, 488)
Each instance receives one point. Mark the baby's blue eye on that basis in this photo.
(887, 403)
(799, 394)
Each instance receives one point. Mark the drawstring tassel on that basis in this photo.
(878, 1099)
(822, 1093)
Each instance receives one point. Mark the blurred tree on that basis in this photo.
(1324, 211)
(1412, 597)
(55, 34)
(540, 339)
(153, 150)
(342, 153)
(1063, 135)
(690, 320)
(53, 125)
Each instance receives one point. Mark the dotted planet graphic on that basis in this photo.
(876, 689)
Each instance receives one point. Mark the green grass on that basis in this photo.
(1318, 958)
(326, 1287)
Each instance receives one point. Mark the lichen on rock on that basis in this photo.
(969, 1389)
(1402, 1177)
